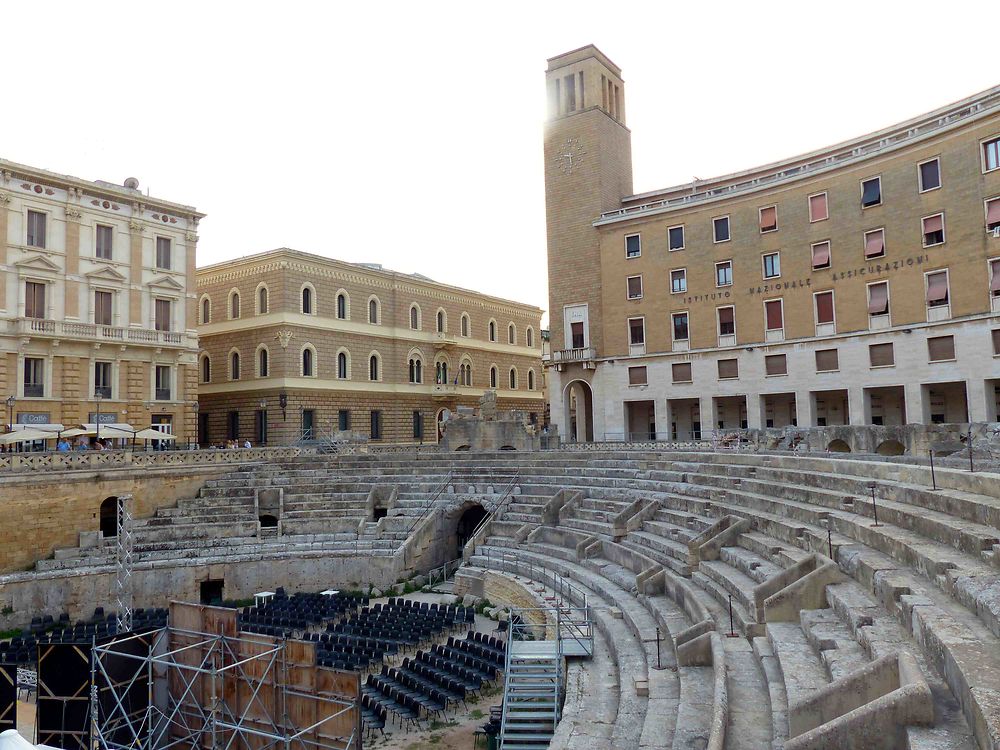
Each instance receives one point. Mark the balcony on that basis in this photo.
(562, 356)
(61, 329)
(445, 390)
(444, 340)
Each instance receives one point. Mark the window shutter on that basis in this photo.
(728, 368)
(995, 276)
(726, 317)
(872, 192)
(817, 207)
(824, 307)
(881, 355)
(937, 288)
(993, 211)
(773, 311)
(681, 372)
(878, 299)
(634, 286)
(775, 364)
(874, 243)
(827, 360)
(933, 224)
(996, 341)
(941, 348)
(821, 255)
(768, 218)
(637, 376)
(637, 332)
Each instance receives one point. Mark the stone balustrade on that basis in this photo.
(13, 463)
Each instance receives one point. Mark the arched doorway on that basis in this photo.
(468, 522)
(442, 416)
(578, 400)
(109, 517)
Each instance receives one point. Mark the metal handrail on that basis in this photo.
(430, 503)
(498, 507)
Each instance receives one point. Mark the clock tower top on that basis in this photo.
(583, 79)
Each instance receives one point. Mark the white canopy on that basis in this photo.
(150, 434)
(21, 436)
(12, 740)
(91, 427)
(54, 427)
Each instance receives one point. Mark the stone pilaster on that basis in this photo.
(72, 299)
(4, 203)
(191, 307)
(136, 229)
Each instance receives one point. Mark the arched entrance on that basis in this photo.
(468, 522)
(109, 517)
(442, 417)
(578, 400)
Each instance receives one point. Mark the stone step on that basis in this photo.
(833, 642)
(749, 726)
(802, 673)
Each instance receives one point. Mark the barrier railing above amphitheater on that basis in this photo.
(13, 463)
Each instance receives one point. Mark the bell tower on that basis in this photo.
(588, 169)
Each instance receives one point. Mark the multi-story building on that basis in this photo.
(297, 345)
(97, 303)
(858, 284)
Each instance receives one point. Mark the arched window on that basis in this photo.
(465, 324)
(262, 300)
(440, 321)
(263, 362)
(512, 379)
(373, 311)
(342, 306)
(234, 305)
(414, 317)
(342, 365)
(373, 367)
(308, 362)
(531, 378)
(493, 377)
(206, 310)
(441, 373)
(234, 366)
(529, 337)
(416, 367)
(206, 369)
(493, 330)
(308, 307)
(109, 517)
(511, 334)
(465, 373)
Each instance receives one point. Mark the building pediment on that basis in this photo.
(166, 282)
(37, 263)
(106, 273)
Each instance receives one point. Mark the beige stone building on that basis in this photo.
(297, 345)
(858, 284)
(96, 303)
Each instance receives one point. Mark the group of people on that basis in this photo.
(82, 444)
(235, 444)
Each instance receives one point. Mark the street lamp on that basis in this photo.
(97, 397)
(871, 488)
(11, 400)
(262, 437)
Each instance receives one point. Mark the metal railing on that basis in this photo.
(494, 513)
(442, 573)
(498, 558)
(429, 505)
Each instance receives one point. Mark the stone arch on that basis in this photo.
(890, 448)
(441, 320)
(343, 309)
(267, 521)
(463, 447)
(109, 517)
(374, 310)
(205, 309)
(307, 299)
(262, 299)
(466, 518)
(233, 309)
(838, 446)
(507, 448)
(578, 401)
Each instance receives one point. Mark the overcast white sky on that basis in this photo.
(410, 133)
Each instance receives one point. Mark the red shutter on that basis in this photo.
(773, 313)
(824, 307)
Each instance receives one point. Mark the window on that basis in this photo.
(772, 265)
(818, 208)
(874, 244)
(576, 333)
(342, 369)
(633, 246)
(727, 321)
(720, 229)
(675, 237)
(729, 369)
(511, 334)
(937, 288)
(824, 307)
(161, 315)
(636, 331)
(342, 306)
(373, 367)
(263, 363)
(634, 284)
(414, 317)
(416, 376)
(637, 376)
(933, 230)
(34, 299)
(680, 326)
(308, 362)
(232, 425)
(493, 377)
(678, 281)
(493, 331)
(465, 374)
(102, 379)
(881, 355)
(995, 333)
(768, 218)
(775, 364)
(465, 324)
(680, 372)
(418, 426)
(375, 424)
(36, 229)
(262, 301)
(821, 255)
(234, 366)
(234, 305)
(441, 373)
(206, 310)
(206, 369)
(34, 377)
(773, 315)
(929, 175)
(724, 273)
(995, 278)
(878, 298)
(871, 192)
(373, 311)
(162, 383)
(307, 300)
(440, 321)
(941, 348)
(163, 252)
(531, 380)
(102, 308)
(529, 337)
(343, 420)
(512, 378)
(104, 238)
(991, 154)
(827, 360)
(993, 215)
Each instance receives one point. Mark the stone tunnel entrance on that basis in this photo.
(468, 522)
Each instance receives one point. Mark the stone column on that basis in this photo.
(755, 411)
(706, 415)
(191, 288)
(4, 202)
(918, 408)
(805, 409)
(975, 395)
(136, 229)
(72, 300)
(856, 406)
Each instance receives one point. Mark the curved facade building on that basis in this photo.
(858, 284)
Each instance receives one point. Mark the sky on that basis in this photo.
(410, 133)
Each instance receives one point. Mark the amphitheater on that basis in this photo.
(737, 599)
